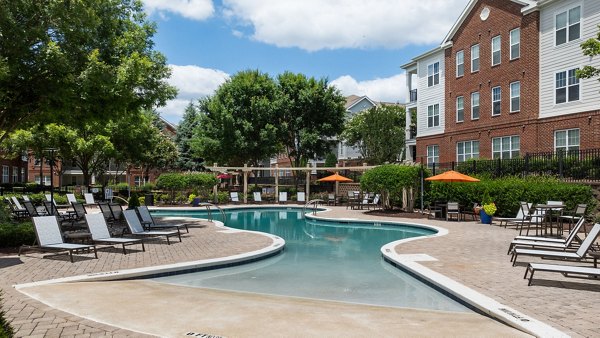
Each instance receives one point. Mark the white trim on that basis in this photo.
(462, 52)
(433, 74)
(499, 100)
(567, 137)
(510, 44)
(510, 94)
(565, 9)
(566, 71)
(463, 108)
(499, 36)
(478, 105)
(478, 58)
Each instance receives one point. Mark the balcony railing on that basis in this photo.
(413, 95)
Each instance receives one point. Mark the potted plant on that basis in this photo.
(488, 209)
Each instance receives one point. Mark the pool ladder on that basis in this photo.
(208, 207)
(314, 203)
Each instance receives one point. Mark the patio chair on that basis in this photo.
(32, 210)
(375, 203)
(234, 197)
(52, 210)
(257, 197)
(518, 219)
(107, 213)
(26, 198)
(49, 238)
(559, 244)
(471, 211)
(575, 215)
(573, 232)
(565, 270)
(548, 254)
(17, 213)
(100, 234)
(301, 197)
(148, 221)
(283, 197)
(89, 198)
(453, 210)
(331, 199)
(435, 209)
(136, 228)
(71, 198)
(533, 217)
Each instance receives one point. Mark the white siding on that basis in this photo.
(567, 56)
(430, 95)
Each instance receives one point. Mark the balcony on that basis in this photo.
(413, 95)
(413, 132)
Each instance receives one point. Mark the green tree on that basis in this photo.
(239, 123)
(185, 133)
(591, 48)
(311, 113)
(378, 133)
(64, 61)
(393, 182)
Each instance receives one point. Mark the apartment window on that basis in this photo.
(433, 74)
(15, 175)
(5, 174)
(496, 50)
(496, 96)
(566, 140)
(460, 63)
(137, 180)
(474, 58)
(475, 106)
(433, 116)
(506, 147)
(568, 25)
(515, 43)
(466, 150)
(433, 155)
(23, 178)
(515, 96)
(567, 86)
(460, 109)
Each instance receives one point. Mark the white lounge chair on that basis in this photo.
(100, 233)
(257, 197)
(148, 221)
(49, 237)
(578, 255)
(573, 232)
(518, 219)
(283, 197)
(542, 242)
(136, 228)
(89, 198)
(235, 198)
(71, 198)
(565, 270)
(301, 197)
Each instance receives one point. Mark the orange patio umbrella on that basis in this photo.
(337, 178)
(452, 176)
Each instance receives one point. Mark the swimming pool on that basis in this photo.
(338, 261)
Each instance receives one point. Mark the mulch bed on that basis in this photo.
(396, 213)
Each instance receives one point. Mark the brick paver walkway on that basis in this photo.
(472, 253)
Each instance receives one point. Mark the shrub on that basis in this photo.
(14, 234)
(507, 192)
(134, 200)
(222, 197)
(5, 328)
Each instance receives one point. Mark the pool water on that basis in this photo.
(338, 261)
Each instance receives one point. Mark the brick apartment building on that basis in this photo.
(502, 83)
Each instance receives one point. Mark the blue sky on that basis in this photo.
(358, 45)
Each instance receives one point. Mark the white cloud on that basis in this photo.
(193, 82)
(389, 89)
(191, 9)
(315, 24)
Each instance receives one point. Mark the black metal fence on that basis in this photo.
(580, 165)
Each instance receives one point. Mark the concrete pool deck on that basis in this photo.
(471, 253)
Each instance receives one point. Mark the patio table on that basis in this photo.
(547, 222)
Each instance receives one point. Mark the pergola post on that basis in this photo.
(307, 190)
(245, 183)
(216, 187)
(277, 183)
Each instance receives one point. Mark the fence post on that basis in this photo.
(498, 167)
(560, 164)
(526, 166)
(433, 168)
(452, 165)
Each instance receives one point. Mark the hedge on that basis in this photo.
(5, 328)
(507, 192)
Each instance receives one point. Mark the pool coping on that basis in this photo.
(277, 246)
(484, 304)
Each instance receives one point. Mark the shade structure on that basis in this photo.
(452, 176)
(335, 178)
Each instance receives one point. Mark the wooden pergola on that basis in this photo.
(246, 170)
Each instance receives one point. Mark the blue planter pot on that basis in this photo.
(485, 218)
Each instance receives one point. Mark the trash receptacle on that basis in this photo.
(149, 199)
(196, 201)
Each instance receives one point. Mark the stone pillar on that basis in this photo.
(277, 183)
(245, 183)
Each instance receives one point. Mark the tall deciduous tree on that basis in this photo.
(63, 61)
(378, 133)
(591, 48)
(239, 124)
(311, 113)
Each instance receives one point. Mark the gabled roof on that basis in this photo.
(529, 6)
(353, 100)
